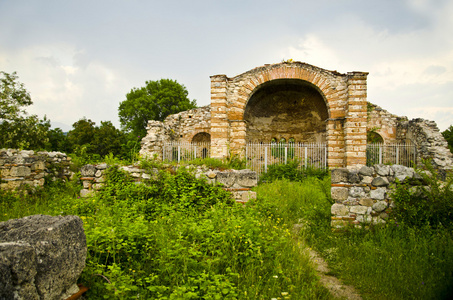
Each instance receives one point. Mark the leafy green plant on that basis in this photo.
(292, 172)
(430, 202)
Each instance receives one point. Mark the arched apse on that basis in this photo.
(201, 137)
(286, 109)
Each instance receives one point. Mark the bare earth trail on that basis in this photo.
(333, 284)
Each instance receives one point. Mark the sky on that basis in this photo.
(80, 58)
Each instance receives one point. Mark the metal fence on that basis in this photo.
(184, 151)
(400, 154)
(260, 156)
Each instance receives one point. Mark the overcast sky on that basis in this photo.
(80, 58)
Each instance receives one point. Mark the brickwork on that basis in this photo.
(383, 123)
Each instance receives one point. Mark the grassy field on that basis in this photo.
(180, 238)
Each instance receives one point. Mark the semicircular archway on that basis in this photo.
(286, 108)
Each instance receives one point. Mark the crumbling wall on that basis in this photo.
(430, 143)
(19, 168)
(239, 183)
(383, 123)
(182, 127)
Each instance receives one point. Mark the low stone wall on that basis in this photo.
(363, 196)
(240, 182)
(19, 168)
(41, 257)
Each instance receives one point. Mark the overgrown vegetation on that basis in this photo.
(178, 238)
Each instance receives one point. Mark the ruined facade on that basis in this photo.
(286, 102)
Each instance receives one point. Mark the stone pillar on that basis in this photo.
(219, 119)
(356, 120)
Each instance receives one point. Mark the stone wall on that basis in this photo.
(430, 143)
(364, 196)
(19, 168)
(383, 123)
(178, 127)
(239, 183)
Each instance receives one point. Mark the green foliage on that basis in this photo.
(18, 129)
(155, 101)
(292, 172)
(448, 135)
(427, 204)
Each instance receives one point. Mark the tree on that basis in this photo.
(18, 129)
(155, 101)
(448, 135)
(82, 134)
(107, 139)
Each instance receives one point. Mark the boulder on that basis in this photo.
(41, 257)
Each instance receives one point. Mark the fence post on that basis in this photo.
(306, 157)
(380, 153)
(179, 154)
(397, 154)
(286, 155)
(265, 159)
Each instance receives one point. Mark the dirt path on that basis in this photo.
(333, 284)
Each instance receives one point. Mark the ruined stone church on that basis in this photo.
(294, 102)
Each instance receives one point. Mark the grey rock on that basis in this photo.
(366, 171)
(380, 181)
(378, 194)
(88, 171)
(354, 177)
(339, 210)
(247, 178)
(339, 193)
(366, 202)
(356, 192)
(44, 256)
(379, 206)
(339, 175)
(358, 209)
(226, 178)
(383, 170)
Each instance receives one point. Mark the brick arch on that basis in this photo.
(283, 71)
(344, 95)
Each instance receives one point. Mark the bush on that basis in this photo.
(428, 204)
(292, 172)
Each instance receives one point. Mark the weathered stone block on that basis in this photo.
(339, 175)
(226, 178)
(20, 171)
(380, 181)
(358, 209)
(339, 193)
(44, 256)
(380, 206)
(356, 192)
(366, 202)
(247, 178)
(339, 210)
(88, 171)
(366, 171)
(378, 194)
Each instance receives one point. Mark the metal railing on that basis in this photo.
(398, 153)
(260, 156)
(184, 151)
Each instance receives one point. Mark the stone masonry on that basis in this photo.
(362, 196)
(239, 183)
(19, 168)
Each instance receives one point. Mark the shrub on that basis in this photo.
(430, 203)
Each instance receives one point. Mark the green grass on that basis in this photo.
(180, 238)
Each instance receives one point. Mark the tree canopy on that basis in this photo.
(155, 101)
(19, 130)
(448, 135)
